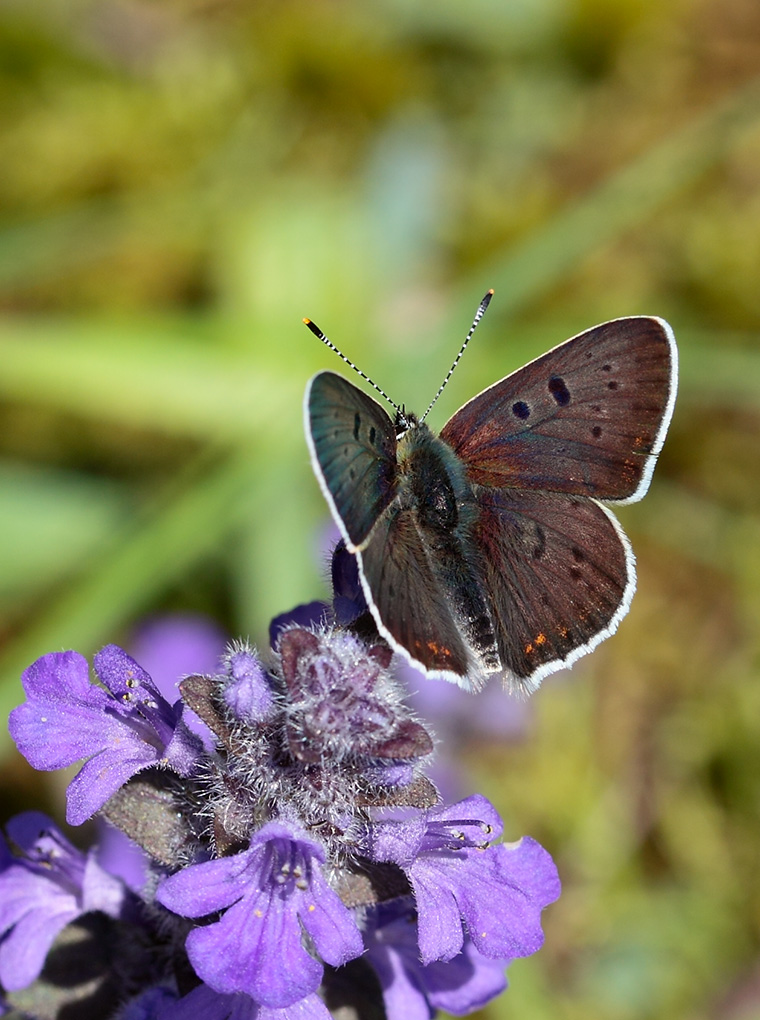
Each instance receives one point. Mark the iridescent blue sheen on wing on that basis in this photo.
(354, 443)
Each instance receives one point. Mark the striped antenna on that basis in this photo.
(328, 343)
(478, 316)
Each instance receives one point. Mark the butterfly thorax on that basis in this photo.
(432, 481)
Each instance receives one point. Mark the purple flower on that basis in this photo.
(42, 889)
(342, 703)
(412, 991)
(151, 1005)
(120, 730)
(316, 837)
(247, 692)
(349, 603)
(309, 614)
(203, 1003)
(495, 892)
(174, 646)
(270, 891)
(121, 857)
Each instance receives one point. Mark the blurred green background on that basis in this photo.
(182, 181)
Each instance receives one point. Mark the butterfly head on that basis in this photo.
(404, 421)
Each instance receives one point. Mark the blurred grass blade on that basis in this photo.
(50, 521)
(144, 378)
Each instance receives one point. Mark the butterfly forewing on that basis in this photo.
(353, 446)
(560, 576)
(589, 417)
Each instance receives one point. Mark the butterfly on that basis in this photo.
(485, 549)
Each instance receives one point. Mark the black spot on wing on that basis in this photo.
(521, 410)
(558, 389)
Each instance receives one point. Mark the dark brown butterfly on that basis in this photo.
(485, 549)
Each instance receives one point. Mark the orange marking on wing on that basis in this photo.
(439, 651)
(539, 640)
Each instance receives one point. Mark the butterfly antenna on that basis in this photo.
(328, 343)
(478, 316)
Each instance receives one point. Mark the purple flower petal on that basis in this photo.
(101, 776)
(310, 614)
(148, 711)
(41, 891)
(151, 1005)
(120, 857)
(465, 983)
(392, 951)
(203, 1003)
(460, 882)
(247, 693)
(349, 602)
(270, 890)
(174, 646)
(122, 729)
(412, 991)
(256, 948)
(65, 715)
(499, 892)
(399, 841)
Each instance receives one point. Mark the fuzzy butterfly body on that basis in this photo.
(485, 549)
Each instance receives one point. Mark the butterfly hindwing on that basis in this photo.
(589, 417)
(411, 608)
(559, 573)
(353, 446)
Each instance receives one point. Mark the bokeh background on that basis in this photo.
(182, 181)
